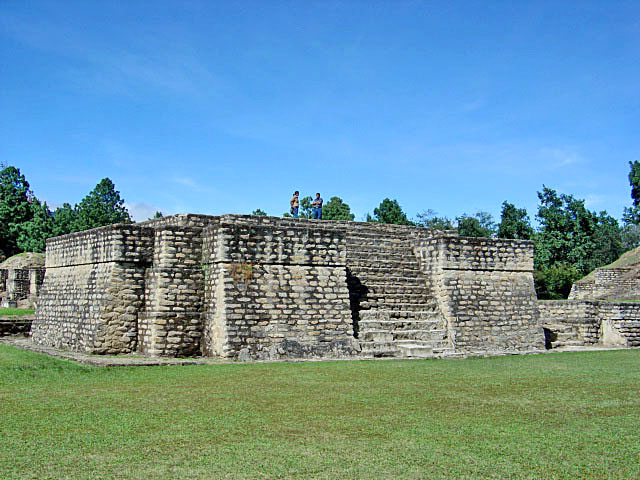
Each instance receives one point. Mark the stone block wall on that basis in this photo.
(275, 291)
(19, 287)
(485, 289)
(171, 323)
(608, 283)
(93, 289)
(582, 323)
(251, 287)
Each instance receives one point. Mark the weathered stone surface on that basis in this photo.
(580, 323)
(247, 287)
(485, 290)
(19, 287)
(608, 284)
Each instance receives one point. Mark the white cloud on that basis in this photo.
(474, 105)
(562, 157)
(593, 200)
(129, 67)
(141, 211)
(192, 184)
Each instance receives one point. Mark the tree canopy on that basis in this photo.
(102, 206)
(514, 223)
(479, 225)
(15, 208)
(572, 241)
(336, 209)
(64, 220)
(389, 211)
(429, 219)
(33, 233)
(631, 215)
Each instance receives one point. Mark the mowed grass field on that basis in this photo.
(18, 312)
(564, 415)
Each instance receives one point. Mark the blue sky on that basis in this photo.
(224, 107)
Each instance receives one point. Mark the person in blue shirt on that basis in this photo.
(317, 207)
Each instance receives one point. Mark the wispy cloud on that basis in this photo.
(476, 104)
(561, 157)
(191, 184)
(142, 211)
(137, 64)
(593, 200)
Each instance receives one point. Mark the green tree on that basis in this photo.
(514, 223)
(631, 214)
(102, 206)
(259, 213)
(305, 210)
(571, 236)
(336, 209)
(15, 208)
(479, 225)
(429, 219)
(555, 282)
(64, 220)
(389, 211)
(607, 242)
(158, 214)
(34, 232)
(630, 237)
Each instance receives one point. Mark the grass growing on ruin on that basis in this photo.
(566, 415)
(18, 312)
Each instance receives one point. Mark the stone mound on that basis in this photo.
(24, 260)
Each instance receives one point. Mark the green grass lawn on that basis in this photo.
(19, 312)
(565, 415)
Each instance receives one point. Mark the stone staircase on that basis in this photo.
(559, 335)
(394, 312)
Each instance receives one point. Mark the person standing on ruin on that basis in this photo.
(317, 207)
(295, 204)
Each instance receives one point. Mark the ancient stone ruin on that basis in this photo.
(21, 277)
(602, 309)
(246, 287)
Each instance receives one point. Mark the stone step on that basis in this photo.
(557, 328)
(422, 351)
(374, 264)
(396, 297)
(402, 315)
(393, 267)
(359, 254)
(395, 349)
(397, 289)
(399, 307)
(567, 343)
(371, 335)
(402, 324)
(391, 281)
(566, 336)
(378, 236)
(364, 258)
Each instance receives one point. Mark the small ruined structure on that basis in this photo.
(21, 277)
(248, 287)
(620, 281)
(603, 308)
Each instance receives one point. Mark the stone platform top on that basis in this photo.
(25, 260)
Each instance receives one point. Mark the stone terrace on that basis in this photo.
(246, 287)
